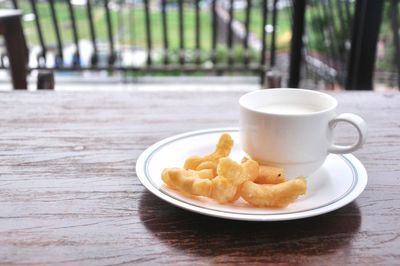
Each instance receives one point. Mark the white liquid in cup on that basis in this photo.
(288, 109)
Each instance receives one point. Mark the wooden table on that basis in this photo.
(69, 193)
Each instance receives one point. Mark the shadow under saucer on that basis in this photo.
(283, 241)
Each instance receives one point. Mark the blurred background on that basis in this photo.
(133, 41)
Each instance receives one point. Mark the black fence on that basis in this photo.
(331, 40)
(352, 44)
(218, 42)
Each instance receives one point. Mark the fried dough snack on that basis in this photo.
(207, 165)
(268, 174)
(223, 149)
(231, 175)
(223, 190)
(222, 179)
(273, 195)
(238, 173)
(192, 182)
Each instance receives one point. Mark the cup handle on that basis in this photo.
(355, 121)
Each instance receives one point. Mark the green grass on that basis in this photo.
(173, 29)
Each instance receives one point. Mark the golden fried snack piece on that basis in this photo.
(238, 173)
(208, 165)
(273, 195)
(223, 149)
(165, 177)
(205, 173)
(187, 181)
(192, 162)
(268, 174)
(231, 176)
(224, 190)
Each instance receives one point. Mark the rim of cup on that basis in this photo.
(244, 98)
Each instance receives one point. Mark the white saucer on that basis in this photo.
(338, 182)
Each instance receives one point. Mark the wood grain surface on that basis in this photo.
(69, 193)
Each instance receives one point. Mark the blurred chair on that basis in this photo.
(11, 29)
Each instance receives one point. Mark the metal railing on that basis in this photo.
(348, 44)
(327, 52)
(216, 34)
(332, 40)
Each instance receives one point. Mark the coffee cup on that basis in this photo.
(293, 129)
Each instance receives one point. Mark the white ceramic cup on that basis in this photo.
(293, 128)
